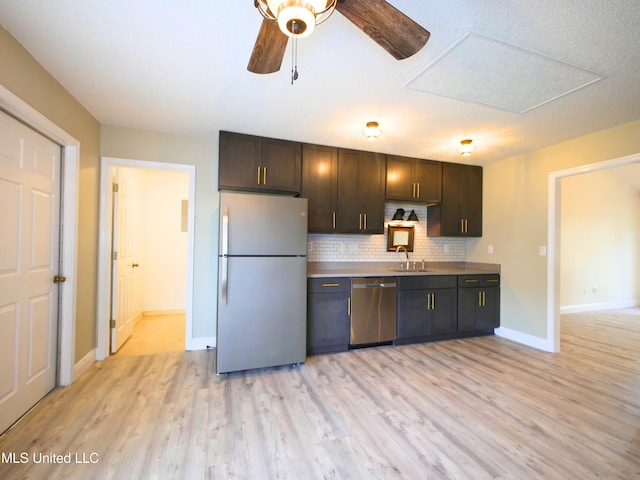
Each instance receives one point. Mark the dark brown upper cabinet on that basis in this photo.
(361, 178)
(460, 213)
(248, 162)
(320, 187)
(413, 180)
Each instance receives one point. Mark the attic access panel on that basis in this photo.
(482, 70)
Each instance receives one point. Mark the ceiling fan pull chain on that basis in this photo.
(294, 59)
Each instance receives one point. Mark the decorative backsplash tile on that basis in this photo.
(373, 248)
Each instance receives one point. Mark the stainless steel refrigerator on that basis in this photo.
(262, 284)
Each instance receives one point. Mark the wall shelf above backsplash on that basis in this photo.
(373, 248)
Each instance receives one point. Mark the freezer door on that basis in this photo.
(263, 224)
(264, 320)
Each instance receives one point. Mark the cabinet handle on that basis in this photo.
(258, 175)
(349, 306)
(360, 222)
(264, 175)
(333, 219)
(330, 284)
(491, 280)
(431, 301)
(482, 298)
(418, 190)
(413, 191)
(466, 220)
(471, 280)
(462, 225)
(365, 221)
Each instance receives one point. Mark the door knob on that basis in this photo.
(134, 265)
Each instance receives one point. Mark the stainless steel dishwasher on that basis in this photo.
(373, 310)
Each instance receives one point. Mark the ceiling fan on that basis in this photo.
(381, 21)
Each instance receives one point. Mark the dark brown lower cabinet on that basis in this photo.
(328, 320)
(427, 308)
(478, 303)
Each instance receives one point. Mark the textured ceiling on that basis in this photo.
(180, 66)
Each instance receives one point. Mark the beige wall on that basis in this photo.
(515, 219)
(25, 78)
(600, 241)
(203, 153)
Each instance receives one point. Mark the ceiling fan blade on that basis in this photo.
(386, 25)
(269, 49)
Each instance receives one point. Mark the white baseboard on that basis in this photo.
(83, 365)
(202, 343)
(593, 307)
(524, 338)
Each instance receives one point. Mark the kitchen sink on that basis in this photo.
(411, 270)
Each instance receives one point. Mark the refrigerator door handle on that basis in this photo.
(224, 260)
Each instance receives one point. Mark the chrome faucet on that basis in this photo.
(406, 254)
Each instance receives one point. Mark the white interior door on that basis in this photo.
(124, 262)
(29, 259)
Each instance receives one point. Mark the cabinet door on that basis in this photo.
(320, 186)
(239, 160)
(281, 165)
(428, 179)
(412, 314)
(478, 308)
(400, 183)
(442, 311)
(453, 199)
(372, 167)
(472, 185)
(360, 192)
(489, 312)
(327, 323)
(349, 202)
(468, 302)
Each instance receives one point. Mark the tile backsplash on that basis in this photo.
(373, 248)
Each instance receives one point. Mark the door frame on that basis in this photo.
(104, 245)
(23, 112)
(553, 239)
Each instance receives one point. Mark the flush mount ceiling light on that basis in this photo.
(466, 147)
(372, 131)
(296, 18)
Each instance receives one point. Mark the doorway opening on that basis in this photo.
(554, 239)
(162, 227)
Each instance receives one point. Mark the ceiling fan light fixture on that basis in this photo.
(296, 18)
(466, 147)
(372, 131)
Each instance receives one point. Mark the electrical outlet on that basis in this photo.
(543, 251)
(594, 289)
(490, 249)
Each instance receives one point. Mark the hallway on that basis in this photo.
(155, 334)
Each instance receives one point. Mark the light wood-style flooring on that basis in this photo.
(155, 334)
(482, 408)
